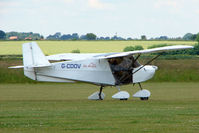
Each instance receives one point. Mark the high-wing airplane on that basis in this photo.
(102, 69)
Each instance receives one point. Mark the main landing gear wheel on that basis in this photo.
(121, 95)
(125, 99)
(144, 98)
(99, 95)
(143, 94)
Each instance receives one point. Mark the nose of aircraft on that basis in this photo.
(146, 73)
(155, 67)
(150, 68)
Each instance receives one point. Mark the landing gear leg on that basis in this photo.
(100, 96)
(118, 88)
(140, 86)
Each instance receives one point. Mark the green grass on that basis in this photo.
(172, 108)
(54, 47)
(181, 70)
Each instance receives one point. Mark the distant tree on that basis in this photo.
(190, 36)
(163, 38)
(143, 37)
(120, 38)
(75, 51)
(91, 36)
(117, 38)
(83, 37)
(197, 38)
(75, 36)
(24, 35)
(107, 38)
(138, 47)
(133, 48)
(129, 38)
(56, 36)
(42, 37)
(187, 36)
(177, 38)
(114, 38)
(196, 49)
(50, 37)
(66, 37)
(101, 38)
(2, 35)
(128, 48)
(194, 37)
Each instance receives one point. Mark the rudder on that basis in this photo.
(33, 57)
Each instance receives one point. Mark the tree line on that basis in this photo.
(20, 36)
(88, 36)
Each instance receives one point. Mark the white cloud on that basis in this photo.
(167, 3)
(9, 3)
(97, 4)
(197, 12)
(68, 1)
(8, 7)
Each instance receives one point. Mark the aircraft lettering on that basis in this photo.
(71, 66)
(62, 66)
(91, 65)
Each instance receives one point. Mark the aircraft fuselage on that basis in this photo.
(96, 71)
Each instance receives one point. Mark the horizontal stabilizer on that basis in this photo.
(15, 67)
(31, 66)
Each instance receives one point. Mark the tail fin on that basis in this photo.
(33, 57)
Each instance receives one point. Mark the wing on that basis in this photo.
(71, 56)
(74, 56)
(154, 50)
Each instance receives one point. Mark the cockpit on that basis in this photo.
(122, 68)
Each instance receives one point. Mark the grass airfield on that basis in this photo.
(26, 106)
(52, 107)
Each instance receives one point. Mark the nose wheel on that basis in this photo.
(144, 98)
(143, 94)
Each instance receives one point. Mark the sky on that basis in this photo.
(126, 18)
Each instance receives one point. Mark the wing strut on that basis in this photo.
(137, 57)
(147, 63)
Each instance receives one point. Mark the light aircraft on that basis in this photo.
(102, 69)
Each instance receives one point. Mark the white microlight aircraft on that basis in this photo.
(107, 69)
